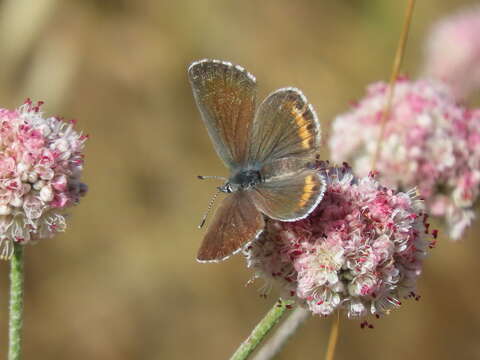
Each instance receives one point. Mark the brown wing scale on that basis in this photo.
(236, 222)
(225, 95)
(291, 196)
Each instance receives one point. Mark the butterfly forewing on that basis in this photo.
(289, 196)
(285, 126)
(225, 95)
(237, 222)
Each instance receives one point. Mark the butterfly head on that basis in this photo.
(242, 180)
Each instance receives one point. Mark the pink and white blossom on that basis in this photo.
(41, 164)
(360, 250)
(430, 142)
(453, 52)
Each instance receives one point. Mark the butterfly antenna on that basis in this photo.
(211, 177)
(209, 208)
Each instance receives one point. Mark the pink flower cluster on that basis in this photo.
(360, 250)
(40, 167)
(430, 142)
(453, 52)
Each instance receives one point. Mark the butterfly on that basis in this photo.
(266, 150)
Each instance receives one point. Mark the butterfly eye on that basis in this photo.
(227, 188)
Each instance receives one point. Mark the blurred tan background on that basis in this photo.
(122, 282)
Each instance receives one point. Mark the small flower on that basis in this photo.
(430, 142)
(453, 51)
(360, 250)
(41, 164)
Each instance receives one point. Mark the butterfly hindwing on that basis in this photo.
(288, 194)
(225, 95)
(236, 222)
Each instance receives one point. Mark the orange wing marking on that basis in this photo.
(308, 189)
(303, 131)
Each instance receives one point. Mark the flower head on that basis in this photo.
(453, 51)
(430, 142)
(40, 167)
(360, 250)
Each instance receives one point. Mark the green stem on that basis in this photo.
(16, 304)
(261, 330)
(283, 333)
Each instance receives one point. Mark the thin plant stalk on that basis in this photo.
(391, 85)
(16, 304)
(288, 328)
(261, 330)
(333, 338)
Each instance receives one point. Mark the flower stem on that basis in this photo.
(261, 330)
(333, 338)
(391, 85)
(282, 334)
(16, 303)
